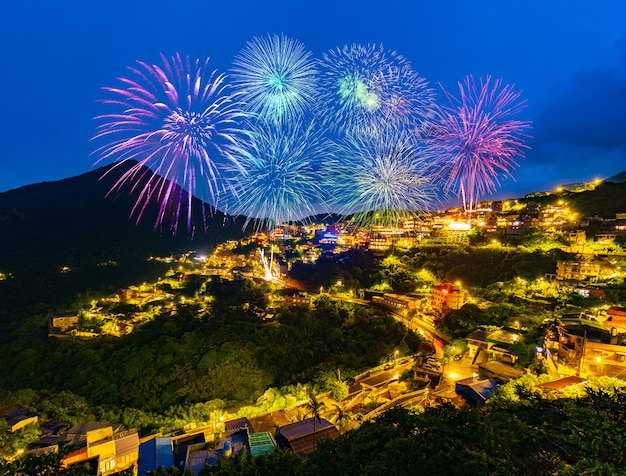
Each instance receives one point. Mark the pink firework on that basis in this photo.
(178, 126)
(479, 138)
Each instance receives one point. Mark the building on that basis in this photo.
(62, 322)
(18, 419)
(155, 452)
(587, 348)
(104, 445)
(475, 390)
(577, 270)
(447, 297)
(398, 302)
(484, 346)
(301, 437)
(296, 299)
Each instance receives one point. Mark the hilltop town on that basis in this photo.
(563, 324)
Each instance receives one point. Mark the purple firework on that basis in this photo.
(479, 138)
(178, 122)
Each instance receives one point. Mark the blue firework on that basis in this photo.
(383, 177)
(278, 178)
(275, 77)
(368, 86)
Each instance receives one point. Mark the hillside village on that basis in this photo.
(578, 343)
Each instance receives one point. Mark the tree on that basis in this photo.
(315, 407)
(341, 417)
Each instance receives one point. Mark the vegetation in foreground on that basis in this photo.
(521, 431)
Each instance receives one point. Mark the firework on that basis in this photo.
(369, 86)
(479, 138)
(276, 77)
(178, 122)
(382, 178)
(277, 179)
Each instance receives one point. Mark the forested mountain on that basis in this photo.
(72, 223)
(604, 201)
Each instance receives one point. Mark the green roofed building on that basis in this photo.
(261, 443)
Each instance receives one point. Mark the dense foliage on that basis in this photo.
(605, 200)
(170, 364)
(533, 436)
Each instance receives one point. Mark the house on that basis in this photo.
(485, 345)
(587, 348)
(397, 302)
(616, 318)
(105, 445)
(155, 452)
(301, 437)
(62, 322)
(447, 297)
(296, 298)
(582, 270)
(476, 390)
(18, 419)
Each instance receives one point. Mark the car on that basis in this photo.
(431, 367)
(433, 361)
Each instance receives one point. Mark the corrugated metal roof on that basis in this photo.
(304, 427)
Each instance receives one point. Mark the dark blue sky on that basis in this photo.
(568, 57)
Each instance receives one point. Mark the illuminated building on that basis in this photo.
(587, 348)
(446, 297)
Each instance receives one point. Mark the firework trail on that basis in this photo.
(478, 137)
(368, 86)
(382, 178)
(277, 179)
(275, 77)
(179, 123)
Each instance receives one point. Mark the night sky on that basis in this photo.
(568, 57)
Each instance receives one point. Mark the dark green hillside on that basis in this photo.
(186, 360)
(605, 200)
(47, 226)
(619, 178)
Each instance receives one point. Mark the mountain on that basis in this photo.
(72, 223)
(619, 178)
(605, 200)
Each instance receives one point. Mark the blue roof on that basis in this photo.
(476, 390)
(155, 453)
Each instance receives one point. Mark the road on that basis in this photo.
(416, 324)
(380, 378)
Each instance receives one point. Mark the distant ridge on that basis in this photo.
(619, 178)
(605, 200)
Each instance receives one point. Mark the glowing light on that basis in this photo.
(479, 138)
(275, 180)
(268, 264)
(382, 178)
(275, 77)
(455, 226)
